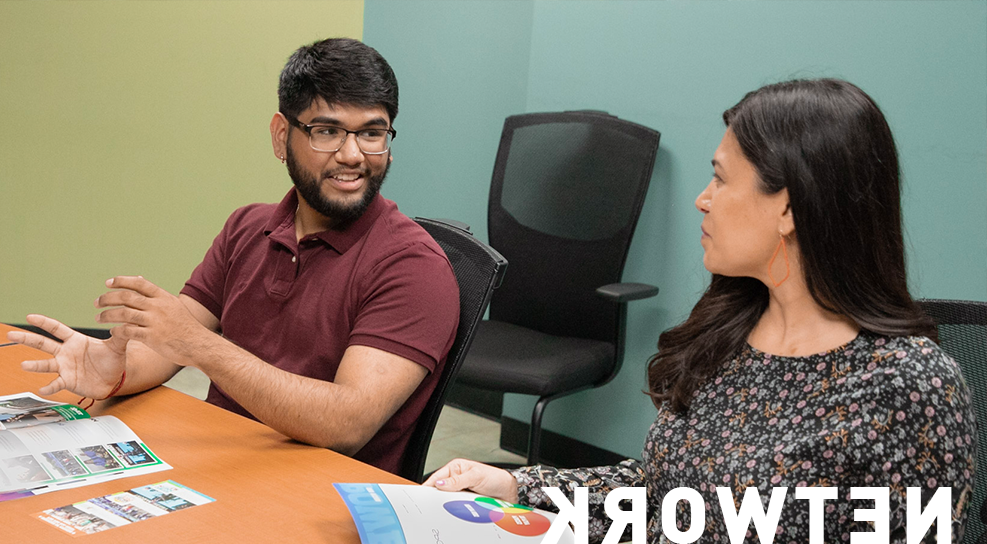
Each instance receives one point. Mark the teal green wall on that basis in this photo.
(675, 66)
(461, 68)
(131, 130)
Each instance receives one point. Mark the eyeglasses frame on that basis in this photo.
(307, 129)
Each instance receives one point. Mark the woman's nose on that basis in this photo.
(702, 201)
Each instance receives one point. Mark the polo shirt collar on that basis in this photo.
(281, 226)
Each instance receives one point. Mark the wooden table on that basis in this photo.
(268, 488)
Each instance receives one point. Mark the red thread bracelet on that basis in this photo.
(112, 392)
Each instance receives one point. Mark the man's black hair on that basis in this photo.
(340, 71)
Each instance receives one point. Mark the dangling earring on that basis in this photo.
(784, 249)
(282, 159)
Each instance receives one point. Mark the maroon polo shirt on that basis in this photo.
(382, 282)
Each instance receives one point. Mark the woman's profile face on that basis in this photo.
(741, 225)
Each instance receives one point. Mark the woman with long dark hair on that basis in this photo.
(806, 362)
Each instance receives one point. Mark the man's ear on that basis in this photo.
(279, 135)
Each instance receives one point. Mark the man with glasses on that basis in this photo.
(335, 312)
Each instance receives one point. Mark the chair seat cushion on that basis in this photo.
(513, 359)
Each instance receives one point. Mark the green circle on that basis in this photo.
(497, 503)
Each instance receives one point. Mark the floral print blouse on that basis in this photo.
(875, 412)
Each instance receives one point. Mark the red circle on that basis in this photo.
(526, 524)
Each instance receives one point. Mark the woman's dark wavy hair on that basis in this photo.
(828, 143)
(340, 71)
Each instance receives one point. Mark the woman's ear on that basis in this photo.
(786, 224)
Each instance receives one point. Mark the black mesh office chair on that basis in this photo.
(565, 197)
(962, 328)
(479, 270)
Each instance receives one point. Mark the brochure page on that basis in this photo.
(27, 409)
(53, 456)
(414, 514)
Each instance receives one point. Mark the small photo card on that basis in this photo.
(109, 511)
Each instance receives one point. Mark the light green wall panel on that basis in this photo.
(131, 131)
(676, 66)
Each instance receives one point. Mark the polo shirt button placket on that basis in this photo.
(296, 259)
(284, 275)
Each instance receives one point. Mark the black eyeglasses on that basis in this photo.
(329, 138)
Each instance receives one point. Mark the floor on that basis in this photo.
(457, 434)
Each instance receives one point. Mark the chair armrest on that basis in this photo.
(626, 292)
(450, 222)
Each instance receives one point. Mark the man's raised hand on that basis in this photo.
(152, 316)
(86, 366)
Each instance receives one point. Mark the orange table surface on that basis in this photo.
(267, 487)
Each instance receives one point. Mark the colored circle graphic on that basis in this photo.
(513, 518)
(503, 506)
(528, 524)
(473, 512)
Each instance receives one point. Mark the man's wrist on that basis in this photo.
(208, 350)
(116, 388)
(195, 347)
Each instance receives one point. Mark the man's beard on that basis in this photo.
(341, 214)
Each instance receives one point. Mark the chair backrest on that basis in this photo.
(479, 270)
(962, 328)
(565, 197)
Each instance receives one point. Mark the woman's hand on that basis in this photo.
(486, 480)
(85, 365)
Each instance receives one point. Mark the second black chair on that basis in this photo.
(962, 326)
(565, 198)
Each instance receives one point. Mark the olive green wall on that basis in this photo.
(675, 66)
(130, 131)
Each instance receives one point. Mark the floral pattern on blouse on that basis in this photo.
(876, 412)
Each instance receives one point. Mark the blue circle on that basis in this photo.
(472, 511)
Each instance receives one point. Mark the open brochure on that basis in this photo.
(414, 514)
(47, 446)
